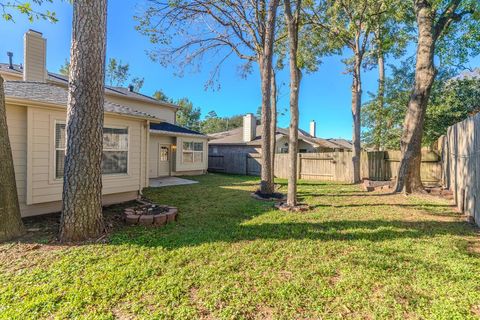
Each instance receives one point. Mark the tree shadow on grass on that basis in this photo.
(218, 211)
(234, 219)
(342, 230)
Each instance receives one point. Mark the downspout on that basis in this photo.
(147, 155)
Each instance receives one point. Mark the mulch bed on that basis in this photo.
(300, 207)
(444, 193)
(370, 185)
(276, 196)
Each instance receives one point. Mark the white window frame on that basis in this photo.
(194, 152)
(127, 173)
(119, 150)
(57, 122)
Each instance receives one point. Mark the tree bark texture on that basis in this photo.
(273, 124)
(82, 189)
(295, 77)
(356, 108)
(265, 63)
(408, 178)
(11, 225)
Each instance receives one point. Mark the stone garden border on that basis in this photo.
(138, 215)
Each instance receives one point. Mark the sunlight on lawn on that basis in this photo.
(356, 255)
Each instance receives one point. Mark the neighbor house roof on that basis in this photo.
(63, 80)
(51, 94)
(342, 143)
(235, 137)
(165, 127)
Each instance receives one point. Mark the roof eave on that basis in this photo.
(22, 102)
(183, 134)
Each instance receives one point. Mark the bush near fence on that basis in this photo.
(329, 166)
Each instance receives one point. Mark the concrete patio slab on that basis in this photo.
(169, 181)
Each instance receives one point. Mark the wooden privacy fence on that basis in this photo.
(328, 166)
(461, 161)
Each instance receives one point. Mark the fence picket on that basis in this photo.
(330, 166)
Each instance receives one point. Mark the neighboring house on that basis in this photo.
(343, 144)
(141, 140)
(248, 139)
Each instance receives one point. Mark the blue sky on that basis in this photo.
(325, 95)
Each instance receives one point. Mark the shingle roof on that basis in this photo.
(165, 126)
(58, 78)
(235, 137)
(48, 93)
(342, 143)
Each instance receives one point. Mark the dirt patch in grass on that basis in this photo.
(204, 313)
(476, 311)
(474, 247)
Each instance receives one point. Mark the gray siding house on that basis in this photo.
(248, 139)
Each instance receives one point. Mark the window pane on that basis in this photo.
(198, 146)
(198, 157)
(163, 154)
(188, 146)
(114, 162)
(59, 163)
(60, 136)
(188, 157)
(116, 139)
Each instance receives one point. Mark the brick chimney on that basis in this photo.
(313, 128)
(35, 57)
(249, 127)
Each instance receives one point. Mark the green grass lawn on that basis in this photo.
(356, 255)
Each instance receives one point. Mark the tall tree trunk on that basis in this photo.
(11, 225)
(408, 178)
(379, 125)
(273, 124)
(82, 184)
(356, 108)
(292, 27)
(265, 62)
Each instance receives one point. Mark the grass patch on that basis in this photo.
(356, 255)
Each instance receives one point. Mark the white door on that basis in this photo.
(163, 160)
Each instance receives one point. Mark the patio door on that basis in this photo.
(159, 163)
(163, 160)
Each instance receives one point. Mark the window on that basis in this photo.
(115, 150)
(59, 149)
(192, 152)
(163, 154)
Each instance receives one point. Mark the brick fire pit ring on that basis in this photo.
(150, 215)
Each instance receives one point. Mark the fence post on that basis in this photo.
(299, 166)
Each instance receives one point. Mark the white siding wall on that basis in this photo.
(32, 133)
(17, 131)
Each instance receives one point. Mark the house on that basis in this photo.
(248, 139)
(141, 139)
